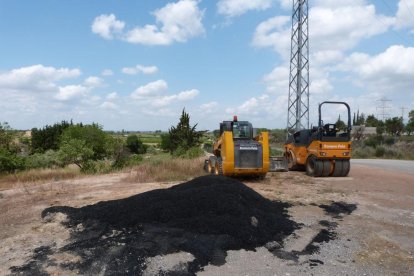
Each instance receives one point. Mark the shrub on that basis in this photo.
(10, 161)
(373, 141)
(379, 151)
(363, 152)
(135, 145)
(49, 159)
(96, 167)
(389, 141)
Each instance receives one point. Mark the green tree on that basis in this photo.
(82, 143)
(10, 161)
(48, 137)
(75, 151)
(183, 136)
(135, 145)
(340, 124)
(166, 142)
(371, 121)
(394, 126)
(380, 128)
(409, 128)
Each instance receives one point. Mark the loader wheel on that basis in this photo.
(218, 168)
(346, 167)
(338, 168)
(210, 168)
(326, 168)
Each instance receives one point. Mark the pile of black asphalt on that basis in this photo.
(206, 217)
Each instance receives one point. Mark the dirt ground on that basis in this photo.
(375, 239)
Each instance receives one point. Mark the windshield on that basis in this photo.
(241, 130)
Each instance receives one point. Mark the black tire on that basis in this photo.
(346, 167)
(318, 168)
(218, 168)
(311, 166)
(326, 168)
(338, 168)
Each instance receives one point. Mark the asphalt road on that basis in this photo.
(405, 166)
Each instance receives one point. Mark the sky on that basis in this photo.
(135, 65)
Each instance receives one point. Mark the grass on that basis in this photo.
(38, 175)
(163, 168)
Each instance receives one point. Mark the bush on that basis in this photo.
(10, 162)
(191, 153)
(373, 141)
(379, 151)
(96, 167)
(135, 145)
(49, 159)
(363, 152)
(389, 141)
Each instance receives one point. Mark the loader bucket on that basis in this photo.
(278, 164)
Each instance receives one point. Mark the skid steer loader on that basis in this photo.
(237, 152)
(323, 150)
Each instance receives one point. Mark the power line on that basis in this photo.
(383, 108)
(408, 8)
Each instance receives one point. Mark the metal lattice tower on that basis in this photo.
(298, 103)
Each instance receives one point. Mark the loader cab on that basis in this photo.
(240, 129)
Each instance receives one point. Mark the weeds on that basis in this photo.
(168, 169)
(38, 175)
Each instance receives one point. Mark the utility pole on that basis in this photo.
(383, 107)
(298, 103)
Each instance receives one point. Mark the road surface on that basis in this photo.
(406, 166)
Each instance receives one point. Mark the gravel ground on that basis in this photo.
(375, 238)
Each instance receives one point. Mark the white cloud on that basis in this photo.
(93, 82)
(389, 71)
(275, 33)
(107, 26)
(107, 72)
(333, 27)
(277, 81)
(112, 96)
(36, 77)
(108, 105)
(238, 7)
(182, 96)
(140, 69)
(405, 15)
(150, 90)
(176, 22)
(209, 107)
(70, 92)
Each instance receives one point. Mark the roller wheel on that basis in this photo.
(326, 168)
(218, 169)
(313, 166)
(338, 168)
(346, 166)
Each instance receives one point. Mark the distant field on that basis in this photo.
(150, 138)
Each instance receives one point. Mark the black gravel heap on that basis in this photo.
(336, 209)
(206, 217)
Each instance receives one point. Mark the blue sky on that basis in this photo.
(135, 65)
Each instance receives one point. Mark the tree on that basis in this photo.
(394, 126)
(82, 143)
(184, 136)
(371, 121)
(48, 137)
(9, 159)
(135, 145)
(380, 128)
(409, 128)
(75, 151)
(166, 142)
(340, 124)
